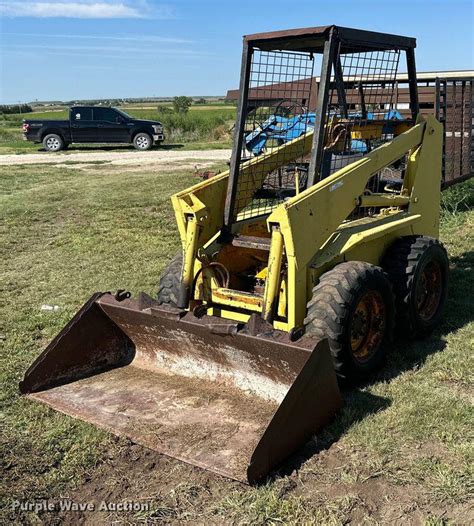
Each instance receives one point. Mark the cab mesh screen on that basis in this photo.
(280, 109)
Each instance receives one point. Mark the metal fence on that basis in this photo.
(454, 109)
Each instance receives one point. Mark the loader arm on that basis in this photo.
(206, 199)
(323, 207)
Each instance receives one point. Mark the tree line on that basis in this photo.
(7, 109)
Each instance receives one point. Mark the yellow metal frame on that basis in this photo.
(327, 237)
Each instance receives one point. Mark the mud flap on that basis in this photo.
(225, 397)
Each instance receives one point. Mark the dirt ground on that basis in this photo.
(153, 157)
(179, 493)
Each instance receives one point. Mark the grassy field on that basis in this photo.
(204, 124)
(400, 451)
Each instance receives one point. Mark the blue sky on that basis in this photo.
(130, 48)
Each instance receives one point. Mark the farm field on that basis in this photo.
(400, 450)
(204, 126)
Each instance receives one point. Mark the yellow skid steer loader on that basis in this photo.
(296, 265)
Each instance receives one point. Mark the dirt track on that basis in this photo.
(124, 157)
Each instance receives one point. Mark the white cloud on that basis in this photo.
(123, 38)
(100, 51)
(84, 9)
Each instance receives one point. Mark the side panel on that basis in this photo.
(423, 179)
(324, 207)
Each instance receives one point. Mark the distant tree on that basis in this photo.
(15, 108)
(164, 110)
(201, 101)
(181, 104)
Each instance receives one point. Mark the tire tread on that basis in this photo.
(328, 309)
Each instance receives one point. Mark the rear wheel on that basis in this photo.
(169, 284)
(53, 142)
(142, 141)
(418, 269)
(353, 307)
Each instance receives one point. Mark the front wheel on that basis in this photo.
(142, 141)
(353, 307)
(53, 142)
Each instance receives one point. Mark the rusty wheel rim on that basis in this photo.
(368, 326)
(429, 290)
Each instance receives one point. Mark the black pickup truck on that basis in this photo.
(94, 124)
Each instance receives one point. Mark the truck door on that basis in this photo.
(83, 128)
(111, 126)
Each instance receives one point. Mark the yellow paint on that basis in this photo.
(272, 284)
(190, 249)
(237, 299)
(311, 229)
(383, 200)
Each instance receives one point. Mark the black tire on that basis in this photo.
(53, 142)
(358, 344)
(169, 284)
(142, 141)
(418, 268)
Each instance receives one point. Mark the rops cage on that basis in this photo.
(328, 124)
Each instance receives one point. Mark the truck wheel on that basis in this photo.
(418, 268)
(353, 306)
(170, 280)
(53, 142)
(142, 141)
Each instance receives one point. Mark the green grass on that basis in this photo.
(201, 125)
(400, 447)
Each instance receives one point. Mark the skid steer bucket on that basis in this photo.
(233, 399)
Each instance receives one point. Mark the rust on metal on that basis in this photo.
(228, 296)
(253, 242)
(429, 290)
(233, 399)
(64, 360)
(368, 326)
(313, 38)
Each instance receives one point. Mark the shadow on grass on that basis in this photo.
(114, 147)
(459, 306)
(171, 146)
(358, 404)
(459, 311)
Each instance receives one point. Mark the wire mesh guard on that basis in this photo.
(281, 103)
(362, 113)
(455, 111)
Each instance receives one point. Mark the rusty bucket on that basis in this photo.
(235, 399)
